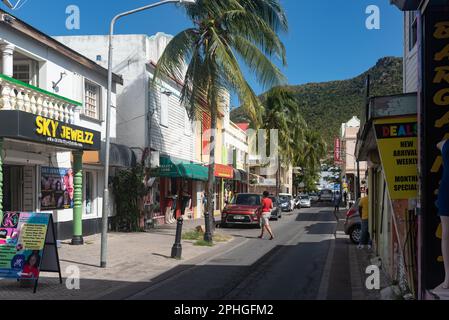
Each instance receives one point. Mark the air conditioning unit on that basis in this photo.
(154, 159)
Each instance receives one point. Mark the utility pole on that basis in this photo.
(105, 208)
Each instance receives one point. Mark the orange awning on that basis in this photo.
(223, 171)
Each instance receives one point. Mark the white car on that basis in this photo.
(305, 201)
(287, 198)
(314, 197)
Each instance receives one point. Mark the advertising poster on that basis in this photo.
(397, 142)
(22, 241)
(56, 188)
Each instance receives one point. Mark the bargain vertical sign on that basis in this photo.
(434, 127)
(337, 151)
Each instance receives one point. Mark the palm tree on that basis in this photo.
(313, 151)
(206, 58)
(281, 112)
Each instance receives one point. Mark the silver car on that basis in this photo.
(326, 195)
(305, 202)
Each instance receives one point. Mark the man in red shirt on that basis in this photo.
(267, 205)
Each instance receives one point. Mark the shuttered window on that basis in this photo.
(164, 109)
(92, 97)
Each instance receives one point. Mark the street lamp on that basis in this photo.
(105, 209)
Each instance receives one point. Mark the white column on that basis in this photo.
(7, 51)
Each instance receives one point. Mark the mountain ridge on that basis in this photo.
(326, 105)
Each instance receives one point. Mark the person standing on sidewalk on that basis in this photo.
(337, 203)
(364, 210)
(267, 205)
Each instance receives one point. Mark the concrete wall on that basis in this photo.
(129, 61)
(138, 101)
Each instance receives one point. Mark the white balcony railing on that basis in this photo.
(18, 95)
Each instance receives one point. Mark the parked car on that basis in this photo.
(298, 200)
(276, 212)
(286, 202)
(314, 196)
(297, 204)
(353, 223)
(305, 202)
(326, 195)
(244, 209)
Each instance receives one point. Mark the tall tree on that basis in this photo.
(206, 58)
(281, 112)
(313, 151)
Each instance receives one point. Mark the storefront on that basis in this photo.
(388, 142)
(224, 176)
(41, 168)
(178, 184)
(239, 183)
(427, 23)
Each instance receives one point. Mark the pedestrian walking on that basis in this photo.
(364, 209)
(267, 205)
(337, 203)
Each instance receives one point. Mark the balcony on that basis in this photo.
(18, 95)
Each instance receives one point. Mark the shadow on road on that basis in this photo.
(285, 272)
(321, 228)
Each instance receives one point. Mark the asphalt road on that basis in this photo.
(288, 268)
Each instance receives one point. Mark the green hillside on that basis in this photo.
(326, 105)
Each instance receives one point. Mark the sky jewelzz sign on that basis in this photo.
(26, 126)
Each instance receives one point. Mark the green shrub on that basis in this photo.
(128, 190)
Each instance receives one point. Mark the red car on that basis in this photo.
(244, 209)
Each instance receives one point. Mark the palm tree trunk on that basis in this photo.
(278, 178)
(209, 216)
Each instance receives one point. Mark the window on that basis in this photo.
(89, 193)
(164, 109)
(413, 29)
(26, 71)
(247, 199)
(92, 100)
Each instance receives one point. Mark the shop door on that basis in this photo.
(12, 188)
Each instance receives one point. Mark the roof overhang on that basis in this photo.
(407, 5)
(381, 108)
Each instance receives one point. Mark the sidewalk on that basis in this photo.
(134, 259)
(347, 267)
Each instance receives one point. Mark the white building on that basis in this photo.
(151, 116)
(41, 77)
(235, 151)
(348, 134)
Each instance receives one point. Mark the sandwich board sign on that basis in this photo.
(28, 246)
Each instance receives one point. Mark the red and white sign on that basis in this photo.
(337, 151)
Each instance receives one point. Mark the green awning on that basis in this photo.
(171, 167)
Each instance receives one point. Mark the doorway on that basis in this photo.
(12, 188)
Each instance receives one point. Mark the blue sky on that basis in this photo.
(327, 40)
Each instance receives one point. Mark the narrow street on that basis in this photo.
(293, 266)
(129, 130)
